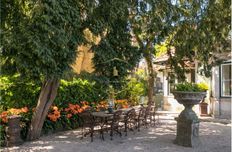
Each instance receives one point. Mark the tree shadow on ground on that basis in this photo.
(214, 137)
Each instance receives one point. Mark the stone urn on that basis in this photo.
(187, 121)
(13, 130)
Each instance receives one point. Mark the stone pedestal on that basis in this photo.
(187, 133)
(13, 131)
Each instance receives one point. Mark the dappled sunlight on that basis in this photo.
(32, 148)
(76, 132)
(145, 137)
(213, 128)
(208, 131)
(61, 137)
(213, 136)
(42, 148)
(138, 148)
(40, 142)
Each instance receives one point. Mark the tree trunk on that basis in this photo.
(46, 98)
(150, 80)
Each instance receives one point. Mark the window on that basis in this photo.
(226, 80)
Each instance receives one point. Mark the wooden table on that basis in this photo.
(103, 116)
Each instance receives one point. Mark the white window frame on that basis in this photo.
(221, 80)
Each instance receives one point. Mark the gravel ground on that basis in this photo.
(214, 137)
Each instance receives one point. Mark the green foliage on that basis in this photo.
(40, 38)
(2, 135)
(132, 91)
(78, 90)
(202, 34)
(191, 87)
(18, 92)
(115, 49)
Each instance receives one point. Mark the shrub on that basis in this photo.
(191, 87)
(132, 91)
(74, 96)
(17, 93)
(78, 90)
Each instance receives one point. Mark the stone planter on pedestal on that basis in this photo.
(188, 122)
(13, 131)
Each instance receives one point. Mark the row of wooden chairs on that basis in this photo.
(130, 120)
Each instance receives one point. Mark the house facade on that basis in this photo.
(218, 96)
(220, 100)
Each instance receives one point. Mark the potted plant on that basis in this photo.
(188, 94)
(10, 119)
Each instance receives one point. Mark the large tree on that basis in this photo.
(151, 22)
(40, 38)
(196, 29)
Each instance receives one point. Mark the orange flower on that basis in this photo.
(24, 109)
(80, 110)
(4, 119)
(3, 116)
(4, 113)
(55, 108)
(69, 115)
(84, 103)
(55, 114)
(66, 109)
(77, 106)
(13, 111)
(125, 106)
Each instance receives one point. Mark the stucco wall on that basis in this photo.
(220, 107)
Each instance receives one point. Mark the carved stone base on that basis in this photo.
(187, 133)
(13, 131)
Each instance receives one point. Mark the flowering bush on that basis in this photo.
(4, 116)
(75, 108)
(102, 105)
(123, 103)
(12, 111)
(54, 114)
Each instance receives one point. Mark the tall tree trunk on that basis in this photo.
(46, 98)
(148, 59)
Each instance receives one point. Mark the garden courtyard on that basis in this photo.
(115, 66)
(215, 136)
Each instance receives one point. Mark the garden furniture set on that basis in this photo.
(121, 119)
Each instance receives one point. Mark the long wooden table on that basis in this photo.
(103, 116)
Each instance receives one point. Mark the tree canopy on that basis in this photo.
(202, 33)
(115, 50)
(41, 37)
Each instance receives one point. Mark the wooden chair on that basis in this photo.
(129, 120)
(153, 115)
(87, 122)
(140, 118)
(114, 123)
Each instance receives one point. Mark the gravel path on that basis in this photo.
(215, 137)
